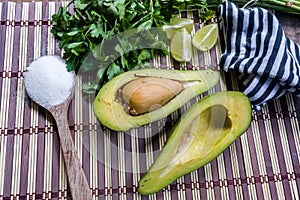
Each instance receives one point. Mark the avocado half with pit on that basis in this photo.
(139, 97)
(204, 131)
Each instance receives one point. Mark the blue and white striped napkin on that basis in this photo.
(254, 45)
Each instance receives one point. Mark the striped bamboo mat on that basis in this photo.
(262, 164)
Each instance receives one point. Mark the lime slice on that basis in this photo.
(206, 37)
(177, 24)
(181, 46)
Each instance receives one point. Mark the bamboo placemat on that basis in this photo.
(262, 164)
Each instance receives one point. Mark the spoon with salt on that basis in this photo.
(50, 85)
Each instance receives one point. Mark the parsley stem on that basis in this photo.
(139, 21)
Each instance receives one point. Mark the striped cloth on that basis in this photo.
(255, 46)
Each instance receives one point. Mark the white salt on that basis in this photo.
(48, 82)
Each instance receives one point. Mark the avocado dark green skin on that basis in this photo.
(205, 130)
(111, 113)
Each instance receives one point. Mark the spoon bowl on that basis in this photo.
(49, 84)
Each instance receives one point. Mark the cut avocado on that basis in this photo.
(203, 132)
(110, 110)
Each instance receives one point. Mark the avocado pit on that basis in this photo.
(146, 94)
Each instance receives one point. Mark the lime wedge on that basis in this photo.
(177, 24)
(206, 37)
(181, 46)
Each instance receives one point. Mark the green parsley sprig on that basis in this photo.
(84, 25)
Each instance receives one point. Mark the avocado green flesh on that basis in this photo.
(203, 132)
(111, 113)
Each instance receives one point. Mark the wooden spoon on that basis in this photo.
(78, 184)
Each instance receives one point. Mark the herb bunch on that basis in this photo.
(84, 25)
(287, 6)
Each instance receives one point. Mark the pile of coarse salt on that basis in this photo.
(48, 82)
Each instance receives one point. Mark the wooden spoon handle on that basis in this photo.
(78, 184)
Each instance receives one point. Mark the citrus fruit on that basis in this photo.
(181, 46)
(206, 37)
(177, 24)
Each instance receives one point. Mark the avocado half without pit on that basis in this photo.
(139, 97)
(205, 130)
